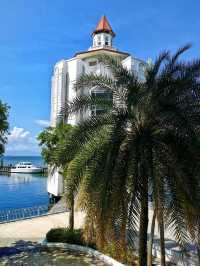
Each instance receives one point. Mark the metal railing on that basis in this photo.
(20, 214)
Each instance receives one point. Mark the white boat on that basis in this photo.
(25, 167)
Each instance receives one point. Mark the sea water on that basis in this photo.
(22, 190)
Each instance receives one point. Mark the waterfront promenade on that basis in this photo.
(35, 229)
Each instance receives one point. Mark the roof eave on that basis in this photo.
(104, 31)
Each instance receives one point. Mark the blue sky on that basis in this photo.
(36, 34)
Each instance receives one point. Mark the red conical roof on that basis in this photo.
(103, 26)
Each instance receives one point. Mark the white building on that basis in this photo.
(66, 72)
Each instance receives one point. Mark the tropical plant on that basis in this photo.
(3, 125)
(50, 139)
(57, 155)
(147, 142)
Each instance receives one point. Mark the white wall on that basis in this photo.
(63, 91)
(135, 65)
(55, 182)
(73, 73)
(58, 90)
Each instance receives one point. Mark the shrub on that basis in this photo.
(65, 235)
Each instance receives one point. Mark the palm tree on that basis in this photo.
(147, 140)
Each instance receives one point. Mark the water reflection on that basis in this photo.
(21, 178)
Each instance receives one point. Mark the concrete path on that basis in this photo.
(35, 229)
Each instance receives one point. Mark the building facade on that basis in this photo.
(66, 73)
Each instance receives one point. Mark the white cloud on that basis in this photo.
(20, 142)
(18, 133)
(43, 123)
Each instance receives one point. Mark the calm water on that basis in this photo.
(22, 190)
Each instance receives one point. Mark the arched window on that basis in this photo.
(107, 40)
(141, 70)
(98, 39)
(100, 94)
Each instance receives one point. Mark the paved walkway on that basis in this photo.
(51, 257)
(35, 229)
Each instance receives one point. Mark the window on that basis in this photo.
(96, 111)
(106, 40)
(92, 63)
(141, 70)
(98, 40)
(101, 94)
(83, 69)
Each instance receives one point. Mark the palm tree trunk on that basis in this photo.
(71, 214)
(123, 244)
(162, 239)
(198, 244)
(150, 242)
(198, 255)
(143, 225)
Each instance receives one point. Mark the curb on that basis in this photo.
(104, 258)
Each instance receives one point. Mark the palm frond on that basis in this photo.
(153, 71)
(81, 104)
(179, 52)
(94, 80)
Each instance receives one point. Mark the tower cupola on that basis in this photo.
(103, 34)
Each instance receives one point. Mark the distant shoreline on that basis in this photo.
(7, 160)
